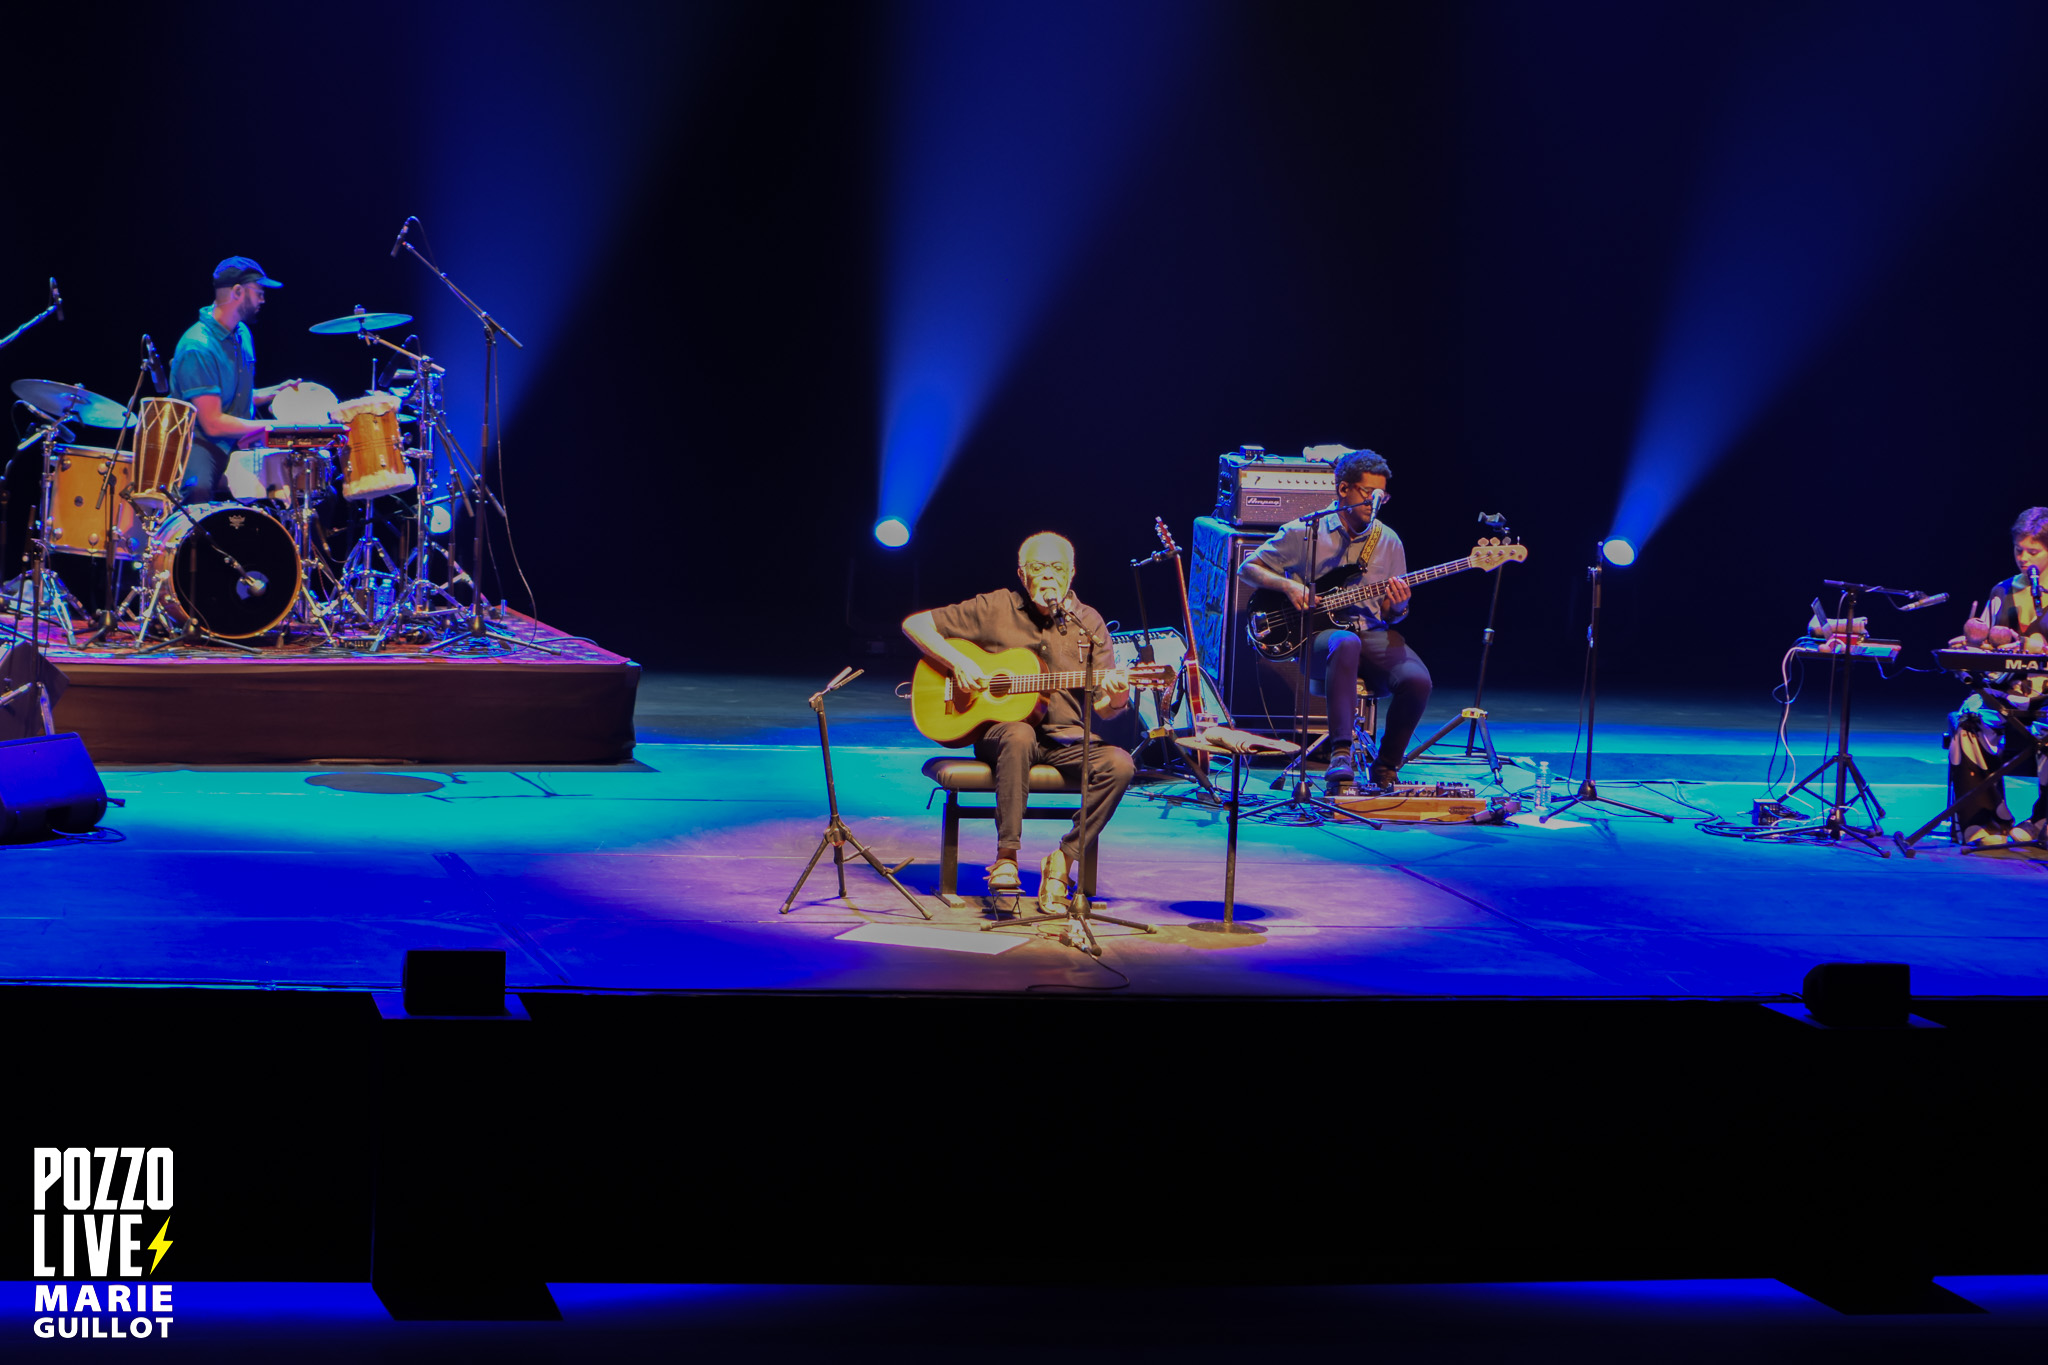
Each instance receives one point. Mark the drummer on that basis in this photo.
(214, 369)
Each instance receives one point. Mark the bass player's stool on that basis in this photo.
(955, 776)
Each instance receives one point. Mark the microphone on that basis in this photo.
(56, 299)
(1925, 600)
(403, 228)
(155, 363)
(2034, 586)
(252, 584)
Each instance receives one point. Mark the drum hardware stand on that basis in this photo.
(1587, 792)
(1078, 915)
(107, 621)
(837, 836)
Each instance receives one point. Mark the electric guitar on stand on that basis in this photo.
(949, 715)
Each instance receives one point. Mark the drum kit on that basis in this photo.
(234, 572)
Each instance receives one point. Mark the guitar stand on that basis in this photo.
(837, 836)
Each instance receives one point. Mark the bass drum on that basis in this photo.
(233, 570)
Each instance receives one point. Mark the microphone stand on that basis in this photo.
(1587, 792)
(44, 316)
(480, 633)
(1077, 915)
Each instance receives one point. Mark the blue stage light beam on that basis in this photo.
(538, 119)
(1010, 125)
(1840, 135)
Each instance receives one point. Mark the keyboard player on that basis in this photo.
(2010, 708)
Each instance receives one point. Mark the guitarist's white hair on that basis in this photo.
(1066, 547)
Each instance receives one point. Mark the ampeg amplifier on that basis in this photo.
(1255, 488)
(1260, 693)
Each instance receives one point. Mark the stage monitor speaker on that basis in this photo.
(454, 981)
(1859, 994)
(1260, 693)
(48, 785)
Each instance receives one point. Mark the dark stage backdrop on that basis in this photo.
(1446, 231)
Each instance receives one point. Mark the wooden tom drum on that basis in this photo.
(77, 497)
(375, 462)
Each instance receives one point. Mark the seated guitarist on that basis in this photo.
(1047, 619)
(1360, 645)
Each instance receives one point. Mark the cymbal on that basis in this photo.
(359, 322)
(70, 403)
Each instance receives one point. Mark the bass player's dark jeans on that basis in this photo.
(1341, 657)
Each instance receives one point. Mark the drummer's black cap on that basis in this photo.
(241, 270)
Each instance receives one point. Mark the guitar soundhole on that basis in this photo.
(999, 685)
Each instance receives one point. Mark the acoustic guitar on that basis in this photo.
(947, 715)
(1277, 628)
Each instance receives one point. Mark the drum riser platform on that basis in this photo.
(399, 707)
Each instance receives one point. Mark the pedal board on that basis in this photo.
(1428, 803)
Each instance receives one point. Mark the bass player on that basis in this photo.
(1046, 618)
(1359, 644)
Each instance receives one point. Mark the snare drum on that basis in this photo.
(375, 462)
(231, 569)
(77, 496)
(163, 443)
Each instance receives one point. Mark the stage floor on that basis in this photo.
(666, 874)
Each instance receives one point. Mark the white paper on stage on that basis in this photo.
(930, 936)
(1531, 820)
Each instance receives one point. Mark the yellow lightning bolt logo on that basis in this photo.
(159, 1244)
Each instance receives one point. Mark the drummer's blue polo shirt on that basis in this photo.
(212, 359)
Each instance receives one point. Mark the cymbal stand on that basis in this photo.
(43, 581)
(108, 620)
(837, 836)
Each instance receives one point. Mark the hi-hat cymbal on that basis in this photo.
(359, 322)
(70, 403)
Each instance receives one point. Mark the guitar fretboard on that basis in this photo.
(1361, 593)
(1010, 684)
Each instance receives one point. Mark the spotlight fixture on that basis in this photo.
(892, 532)
(1615, 550)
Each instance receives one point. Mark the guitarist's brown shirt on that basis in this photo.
(1006, 619)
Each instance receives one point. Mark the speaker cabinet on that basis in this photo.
(1262, 695)
(48, 784)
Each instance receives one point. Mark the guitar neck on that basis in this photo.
(1362, 593)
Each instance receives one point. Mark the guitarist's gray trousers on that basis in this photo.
(1012, 747)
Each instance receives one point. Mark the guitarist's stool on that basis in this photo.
(954, 776)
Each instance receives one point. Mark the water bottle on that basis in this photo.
(1543, 786)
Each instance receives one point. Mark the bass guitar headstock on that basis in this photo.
(1489, 555)
(1165, 536)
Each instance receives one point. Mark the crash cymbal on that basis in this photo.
(70, 403)
(359, 322)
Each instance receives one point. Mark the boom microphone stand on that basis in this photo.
(1587, 792)
(480, 632)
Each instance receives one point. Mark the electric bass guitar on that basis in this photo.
(948, 715)
(1278, 628)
